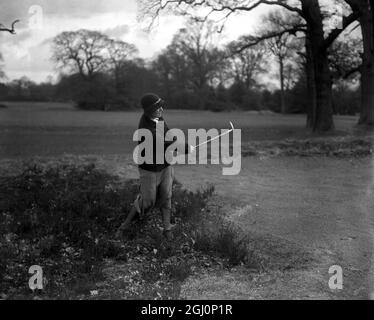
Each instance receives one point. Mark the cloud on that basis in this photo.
(118, 31)
(33, 62)
(19, 9)
(22, 35)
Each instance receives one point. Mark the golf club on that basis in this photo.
(205, 142)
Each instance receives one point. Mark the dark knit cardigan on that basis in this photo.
(146, 123)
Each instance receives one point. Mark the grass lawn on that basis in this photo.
(51, 129)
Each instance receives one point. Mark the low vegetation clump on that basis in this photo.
(64, 218)
(342, 147)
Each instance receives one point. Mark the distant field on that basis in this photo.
(50, 129)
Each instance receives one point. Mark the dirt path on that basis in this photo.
(325, 205)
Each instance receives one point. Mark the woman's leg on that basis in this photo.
(165, 193)
(145, 200)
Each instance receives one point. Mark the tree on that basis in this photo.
(20, 88)
(191, 61)
(171, 66)
(85, 53)
(198, 45)
(81, 51)
(365, 10)
(317, 43)
(119, 52)
(278, 46)
(282, 47)
(138, 78)
(246, 65)
(345, 57)
(2, 73)
(243, 69)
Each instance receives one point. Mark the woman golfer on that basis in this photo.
(156, 180)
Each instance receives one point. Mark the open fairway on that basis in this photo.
(52, 129)
(323, 205)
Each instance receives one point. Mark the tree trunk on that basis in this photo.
(281, 74)
(311, 88)
(117, 80)
(323, 119)
(367, 69)
(324, 111)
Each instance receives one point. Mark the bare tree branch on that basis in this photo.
(352, 71)
(155, 7)
(251, 41)
(283, 4)
(334, 34)
(12, 31)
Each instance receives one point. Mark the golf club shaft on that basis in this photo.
(200, 144)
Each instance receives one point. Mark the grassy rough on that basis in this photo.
(64, 217)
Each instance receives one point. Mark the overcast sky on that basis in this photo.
(28, 52)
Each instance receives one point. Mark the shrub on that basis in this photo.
(90, 105)
(75, 204)
(224, 242)
(178, 271)
(188, 205)
(119, 103)
(337, 147)
(68, 214)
